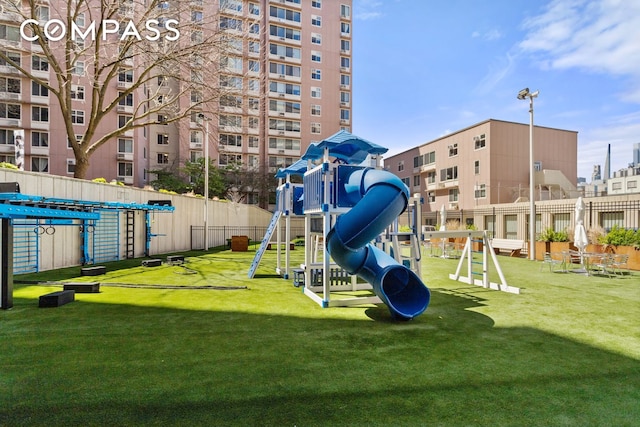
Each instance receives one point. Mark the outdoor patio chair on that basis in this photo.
(619, 264)
(601, 264)
(552, 263)
(573, 259)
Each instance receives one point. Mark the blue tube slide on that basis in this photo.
(379, 197)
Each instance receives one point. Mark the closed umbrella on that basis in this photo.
(580, 233)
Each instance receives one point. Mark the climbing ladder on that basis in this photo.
(265, 242)
(130, 234)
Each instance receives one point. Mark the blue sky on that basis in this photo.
(422, 69)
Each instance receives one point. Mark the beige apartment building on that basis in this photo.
(288, 84)
(488, 163)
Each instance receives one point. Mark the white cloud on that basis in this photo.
(493, 34)
(594, 35)
(367, 9)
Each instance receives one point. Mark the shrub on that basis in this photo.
(8, 165)
(619, 236)
(548, 235)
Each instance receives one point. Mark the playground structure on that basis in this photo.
(348, 203)
(31, 216)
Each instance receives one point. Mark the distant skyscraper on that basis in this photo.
(636, 154)
(607, 164)
(595, 176)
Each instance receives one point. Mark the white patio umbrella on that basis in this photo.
(580, 239)
(443, 218)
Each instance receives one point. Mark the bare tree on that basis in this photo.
(135, 42)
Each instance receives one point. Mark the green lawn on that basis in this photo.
(565, 352)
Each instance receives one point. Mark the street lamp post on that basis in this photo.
(523, 94)
(206, 180)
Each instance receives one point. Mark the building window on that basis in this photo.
(9, 111)
(125, 76)
(6, 137)
(416, 180)
(163, 158)
(511, 226)
(11, 58)
(230, 121)
(39, 63)
(431, 197)
(285, 88)
(77, 92)
(345, 97)
(345, 11)
(316, 74)
(345, 80)
(254, 122)
(476, 167)
(453, 194)
(345, 46)
(9, 33)
(39, 164)
(125, 100)
(125, 169)
(78, 68)
(406, 181)
(254, 9)
(316, 21)
(316, 56)
(286, 14)
(284, 125)
(284, 144)
(453, 149)
(316, 38)
(163, 139)
(123, 120)
(449, 174)
(317, 4)
(345, 115)
(632, 184)
(345, 62)
(254, 142)
(315, 128)
(71, 166)
(125, 145)
(616, 186)
(610, 219)
(9, 85)
(480, 191)
(254, 104)
(231, 140)
(283, 32)
(431, 177)
(39, 114)
(284, 69)
(561, 221)
(316, 92)
(230, 159)
(196, 137)
(400, 165)
(479, 141)
(345, 28)
(315, 110)
(77, 117)
(39, 139)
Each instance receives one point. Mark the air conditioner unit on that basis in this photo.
(197, 144)
(476, 138)
(343, 104)
(344, 87)
(453, 206)
(71, 161)
(344, 69)
(280, 151)
(281, 114)
(122, 84)
(282, 95)
(121, 156)
(282, 58)
(282, 76)
(281, 132)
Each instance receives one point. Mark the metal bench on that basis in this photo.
(82, 287)
(93, 271)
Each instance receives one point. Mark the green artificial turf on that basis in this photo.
(222, 349)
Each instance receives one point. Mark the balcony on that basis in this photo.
(453, 183)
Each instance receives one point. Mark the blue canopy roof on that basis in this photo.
(298, 168)
(345, 146)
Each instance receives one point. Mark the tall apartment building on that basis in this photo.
(287, 84)
(488, 163)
